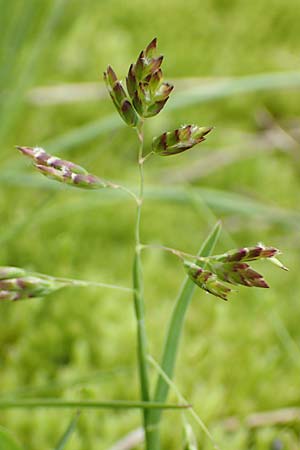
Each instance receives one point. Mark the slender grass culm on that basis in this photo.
(142, 96)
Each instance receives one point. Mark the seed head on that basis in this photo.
(120, 98)
(179, 140)
(61, 170)
(18, 284)
(259, 251)
(207, 280)
(238, 273)
(146, 93)
(11, 272)
(145, 82)
(231, 268)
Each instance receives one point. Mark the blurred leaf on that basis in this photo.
(86, 404)
(7, 442)
(11, 107)
(68, 433)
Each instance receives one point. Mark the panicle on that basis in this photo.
(232, 268)
(146, 94)
(61, 170)
(179, 140)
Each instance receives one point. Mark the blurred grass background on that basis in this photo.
(236, 358)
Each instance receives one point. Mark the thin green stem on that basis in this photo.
(86, 404)
(139, 291)
(180, 254)
(182, 399)
(124, 189)
(148, 156)
(83, 283)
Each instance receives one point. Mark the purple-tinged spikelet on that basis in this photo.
(259, 251)
(18, 284)
(11, 272)
(145, 82)
(179, 140)
(238, 273)
(146, 93)
(61, 170)
(232, 268)
(207, 280)
(119, 97)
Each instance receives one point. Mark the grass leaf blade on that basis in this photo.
(68, 433)
(174, 332)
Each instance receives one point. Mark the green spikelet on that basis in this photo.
(179, 140)
(19, 284)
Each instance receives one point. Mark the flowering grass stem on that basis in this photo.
(126, 190)
(139, 291)
(180, 254)
(83, 283)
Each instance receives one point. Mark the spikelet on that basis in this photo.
(207, 280)
(63, 171)
(120, 98)
(19, 284)
(179, 140)
(232, 268)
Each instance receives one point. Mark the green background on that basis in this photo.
(236, 358)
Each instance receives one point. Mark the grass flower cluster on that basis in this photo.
(142, 96)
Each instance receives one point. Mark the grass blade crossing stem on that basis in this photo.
(173, 338)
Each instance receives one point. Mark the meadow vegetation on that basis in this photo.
(236, 66)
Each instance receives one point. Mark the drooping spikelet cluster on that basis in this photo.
(61, 170)
(146, 92)
(231, 268)
(18, 284)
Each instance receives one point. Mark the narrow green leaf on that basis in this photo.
(174, 332)
(14, 101)
(68, 433)
(85, 404)
(178, 316)
(7, 442)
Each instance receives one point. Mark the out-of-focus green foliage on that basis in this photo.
(236, 358)
(7, 442)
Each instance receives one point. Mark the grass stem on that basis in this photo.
(139, 291)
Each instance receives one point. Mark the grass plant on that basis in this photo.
(144, 97)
